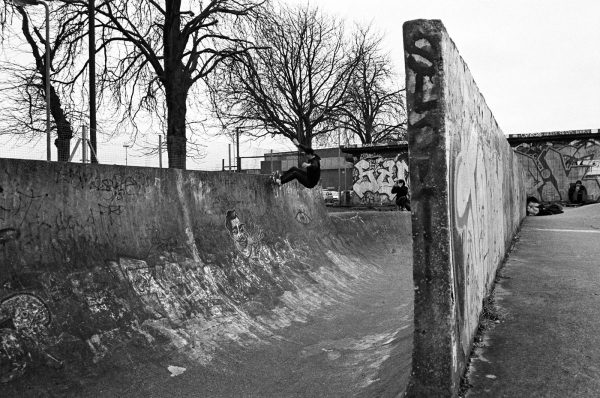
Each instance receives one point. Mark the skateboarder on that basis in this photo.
(309, 177)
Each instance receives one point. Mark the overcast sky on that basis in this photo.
(537, 62)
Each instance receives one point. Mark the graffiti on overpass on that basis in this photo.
(551, 167)
(374, 177)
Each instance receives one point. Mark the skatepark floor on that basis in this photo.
(359, 346)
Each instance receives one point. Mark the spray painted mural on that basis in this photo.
(374, 176)
(551, 167)
(24, 319)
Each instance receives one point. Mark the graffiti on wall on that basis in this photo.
(374, 177)
(551, 167)
(21, 211)
(302, 217)
(113, 189)
(9, 234)
(246, 241)
(24, 319)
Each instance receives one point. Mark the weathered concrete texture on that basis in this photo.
(468, 201)
(102, 264)
(552, 163)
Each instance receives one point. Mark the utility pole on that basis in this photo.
(48, 140)
(84, 146)
(339, 170)
(92, 60)
(239, 158)
(160, 151)
(229, 149)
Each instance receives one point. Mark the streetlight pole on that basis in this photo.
(48, 140)
(92, 73)
(23, 3)
(339, 170)
(237, 143)
(160, 144)
(126, 147)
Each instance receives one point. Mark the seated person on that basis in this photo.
(401, 191)
(577, 193)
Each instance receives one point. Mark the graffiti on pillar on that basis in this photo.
(551, 167)
(374, 176)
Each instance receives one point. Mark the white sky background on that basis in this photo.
(537, 63)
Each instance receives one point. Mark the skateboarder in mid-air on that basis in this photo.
(309, 177)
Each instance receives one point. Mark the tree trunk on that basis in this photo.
(63, 127)
(176, 112)
(368, 131)
(177, 82)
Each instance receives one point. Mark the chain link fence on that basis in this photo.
(216, 155)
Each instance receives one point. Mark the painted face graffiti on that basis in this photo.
(302, 217)
(237, 230)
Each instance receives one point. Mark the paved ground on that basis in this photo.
(548, 342)
(360, 348)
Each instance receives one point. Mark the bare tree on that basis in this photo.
(25, 90)
(156, 51)
(294, 85)
(375, 110)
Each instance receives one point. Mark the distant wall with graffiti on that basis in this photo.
(552, 164)
(374, 175)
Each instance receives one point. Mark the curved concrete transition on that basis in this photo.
(178, 285)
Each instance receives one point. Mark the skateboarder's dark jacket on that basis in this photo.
(400, 191)
(314, 169)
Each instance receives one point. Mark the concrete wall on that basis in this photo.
(468, 201)
(99, 262)
(110, 252)
(552, 163)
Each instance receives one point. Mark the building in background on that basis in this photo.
(375, 169)
(336, 171)
(364, 174)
